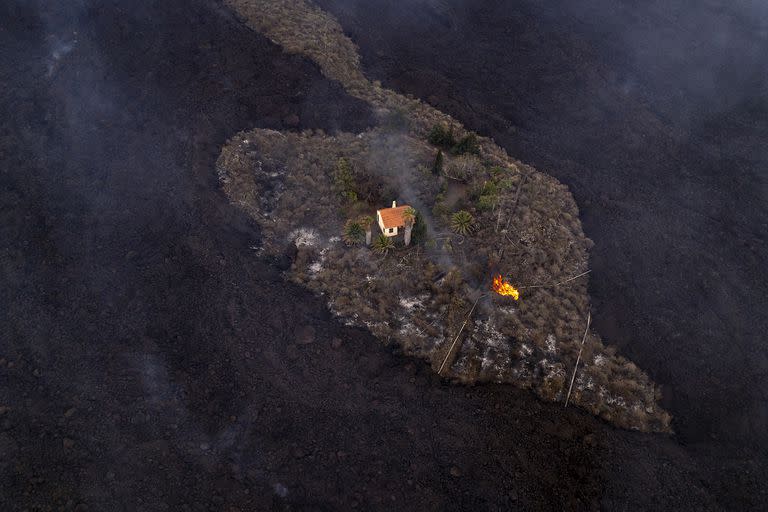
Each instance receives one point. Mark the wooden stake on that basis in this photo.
(447, 355)
(576, 366)
(555, 284)
(517, 199)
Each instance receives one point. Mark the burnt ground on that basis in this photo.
(150, 361)
(655, 114)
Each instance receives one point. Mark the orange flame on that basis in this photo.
(502, 287)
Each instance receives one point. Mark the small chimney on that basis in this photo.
(394, 204)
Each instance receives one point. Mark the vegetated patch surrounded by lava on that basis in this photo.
(308, 188)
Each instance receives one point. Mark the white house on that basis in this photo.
(391, 220)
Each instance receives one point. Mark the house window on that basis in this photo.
(391, 230)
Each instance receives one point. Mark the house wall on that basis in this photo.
(382, 228)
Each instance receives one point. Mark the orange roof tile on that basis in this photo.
(393, 217)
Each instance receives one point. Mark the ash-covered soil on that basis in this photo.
(150, 361)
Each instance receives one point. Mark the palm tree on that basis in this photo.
(383, 244)
(409, 217)
(366, 221)
(462, 222)
(353, 232)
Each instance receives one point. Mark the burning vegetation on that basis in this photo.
(474, 209)
(503, 288)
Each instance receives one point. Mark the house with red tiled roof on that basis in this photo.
(391, 220)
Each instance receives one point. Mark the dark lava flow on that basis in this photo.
(150, 361)
(656, 116)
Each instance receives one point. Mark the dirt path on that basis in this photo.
(150, 361)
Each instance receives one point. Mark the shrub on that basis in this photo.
(441, 136)
(486, 202)
(344, 180)
(396, 120)
(462, 222)
(419, 233)
(467, 145)
(489, 188)
(463, 168)
(486, 196)
(505, 184)
(440, 208)
(496, 171)
(385, 193)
